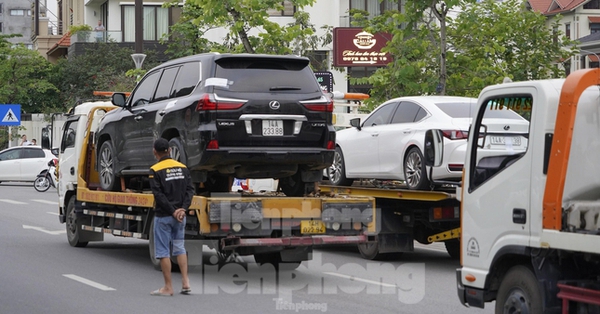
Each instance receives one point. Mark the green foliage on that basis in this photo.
(486, 42)
(74, 29)
(101, 68)
(242, 18)
(136, 74)
(509, 42)
(23, 77)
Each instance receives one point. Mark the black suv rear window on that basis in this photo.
(267, 75)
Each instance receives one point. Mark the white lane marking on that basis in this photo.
(11, 201)
(383, 284)
(52, 213)
(44, 230)
(46, 202)
(89, 282)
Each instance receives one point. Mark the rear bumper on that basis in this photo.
(236, 242)
(307, 158)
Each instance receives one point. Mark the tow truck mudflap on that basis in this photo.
(231, 243)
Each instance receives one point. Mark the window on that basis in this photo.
(457, 110)
(500, 142)
(359, 72)
(381, 115)
(34, 153)
(568, 30)
(145, 89)
(406, 112)
(567, 66)
(156, 23)
(17, 12)
(1, 7)
(163, 91)
(1, 27)
(594, 27)
(11, 154)
(290, 76)
(318, 60)
(375, 7)
(187, 79)
(592, 5)
(288, 9)
(68, 138)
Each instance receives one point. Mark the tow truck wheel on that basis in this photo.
(73, 226)
(370, 251)
(106, 167)
(155, 261)
(274, 258)
(292, 185)
(415, 173)
(453, 248)
(519, 292)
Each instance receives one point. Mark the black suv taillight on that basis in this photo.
(213, 102)
(322, 104)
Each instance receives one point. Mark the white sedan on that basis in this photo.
(23, 163)
(388, 145)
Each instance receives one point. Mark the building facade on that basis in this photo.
(16, 18)
(118, 18)
(580, 20)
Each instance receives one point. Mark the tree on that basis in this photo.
(23, 77)
(102, 67)
(510, 41)
(249, 28)
(486, 42)
(419, 9)
(415, 52)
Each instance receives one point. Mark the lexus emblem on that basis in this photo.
(506, 127)
(274, 104)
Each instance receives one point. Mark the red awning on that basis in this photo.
(594, 19)
(593, 58)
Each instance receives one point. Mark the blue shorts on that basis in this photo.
(167, 231)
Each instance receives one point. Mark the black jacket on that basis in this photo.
(171, 185)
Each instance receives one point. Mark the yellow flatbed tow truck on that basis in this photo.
(274, 228)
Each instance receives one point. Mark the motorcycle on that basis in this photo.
(46, 178)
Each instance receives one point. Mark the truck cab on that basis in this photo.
(530, 211)
(71, 145)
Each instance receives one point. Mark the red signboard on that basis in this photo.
(353, 47)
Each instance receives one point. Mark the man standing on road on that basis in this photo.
(173, 191)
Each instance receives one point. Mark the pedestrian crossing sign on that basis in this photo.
(10, 115)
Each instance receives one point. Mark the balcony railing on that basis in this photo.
(97, 37)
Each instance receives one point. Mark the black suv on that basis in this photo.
(225, 115)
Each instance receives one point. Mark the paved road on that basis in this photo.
(41, 273)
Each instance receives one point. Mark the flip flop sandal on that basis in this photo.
(186, 290)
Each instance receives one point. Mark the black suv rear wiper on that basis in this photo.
(284, 88)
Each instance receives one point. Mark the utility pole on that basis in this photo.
(139, 26)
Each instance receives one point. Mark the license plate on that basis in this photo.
(312, 226)
(503, 140)
(272, 127)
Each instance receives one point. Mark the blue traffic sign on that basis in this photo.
(10, 115)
